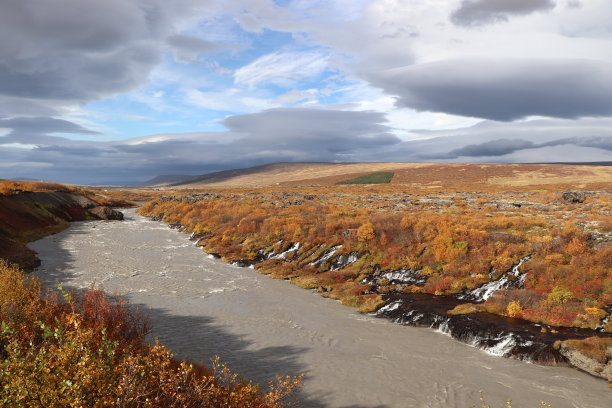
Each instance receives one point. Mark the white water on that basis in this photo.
(202, 307)
(488, 289)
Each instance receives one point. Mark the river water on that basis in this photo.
(202, 307)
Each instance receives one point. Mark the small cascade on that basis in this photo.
(401, 279)
(345, 260)
(325, 256)
(404, 276)
(511, 279)
(605, 321)
(497, 335)
(264, 255)
(282, 255)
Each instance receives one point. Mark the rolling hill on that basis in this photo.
(433, 176)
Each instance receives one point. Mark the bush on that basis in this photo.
(88, 350)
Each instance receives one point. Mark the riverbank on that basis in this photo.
(315, 243)
(201, 307)
(32, 210)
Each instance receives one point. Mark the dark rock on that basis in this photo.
(106, 213)
(573, 196)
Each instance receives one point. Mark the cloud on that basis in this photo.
(295, 134)
(312, 130)
(498, 147)
(543, 140)
(282, 69)
(503, 147)
(249, 22)
(43, 125)
(187, 49)
(480, 12)
(253, 139)
(296, 95)
(54, 54)
(503, 90)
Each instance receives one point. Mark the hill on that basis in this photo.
(164, 179)
(430, 176)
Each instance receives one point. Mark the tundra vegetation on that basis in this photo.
(338, 240)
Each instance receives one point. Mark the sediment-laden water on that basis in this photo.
(202, 307)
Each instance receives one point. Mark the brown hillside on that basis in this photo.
(435, 176)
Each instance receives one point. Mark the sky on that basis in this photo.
(121, 91)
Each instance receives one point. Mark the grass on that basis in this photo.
(381, 177)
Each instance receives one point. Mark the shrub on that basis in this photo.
(366, 232)
(88, 350)
(514, 308)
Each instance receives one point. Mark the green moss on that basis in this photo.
(373, 178)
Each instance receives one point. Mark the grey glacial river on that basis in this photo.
(202, 307)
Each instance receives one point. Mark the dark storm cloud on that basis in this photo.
(187, 49)
(269, 136)
(39, 130)
(23, 106)
(541, 140)
(504, 90)
(313, 130)
(43, 125)
(480, 12)
(599, 142)
(502, 147)
(74, 51)
(302, 135)
(497, 147)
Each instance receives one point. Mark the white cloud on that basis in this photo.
(229, 100)
(282, 69)
(296, 95)
(249, 22)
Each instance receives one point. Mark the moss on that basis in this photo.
(381, 177)
(466, 308)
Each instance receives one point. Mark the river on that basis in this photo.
(201, 307)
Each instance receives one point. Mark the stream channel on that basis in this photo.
(201, 307)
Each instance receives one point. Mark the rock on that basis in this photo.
(573, 196)
(106, 213)
(586, 363)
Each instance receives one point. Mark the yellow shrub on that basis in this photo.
(514, 308)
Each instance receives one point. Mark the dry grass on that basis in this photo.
(427, 176)
(305, 173)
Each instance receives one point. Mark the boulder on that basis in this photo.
(573, 196)
(106, 213)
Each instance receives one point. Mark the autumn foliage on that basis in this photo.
(457, 242)
(88, 350)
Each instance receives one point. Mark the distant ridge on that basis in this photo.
(24, 179)
(224, 175)
(596, 175)
(599, 163)
(164, 180)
